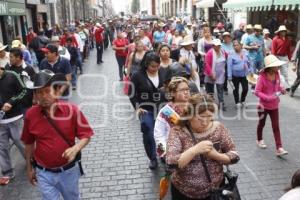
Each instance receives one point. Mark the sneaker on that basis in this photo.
(238, 105)
(281, 152)
(222, 107)
(153, 164)
(244, 105)
(252, 90)
(261, 144)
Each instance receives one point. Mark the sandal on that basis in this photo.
(4, 180)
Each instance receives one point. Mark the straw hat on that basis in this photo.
(187, 41)
(249, 26)
(161, 24)
(252, 79)
(2, 47)
(55, 38)
(226, 34)
(257, 27)
(16, 44)
(266, 31)
(272, 61)
(281, 28)
(216, 42)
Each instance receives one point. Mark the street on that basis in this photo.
(115, 163)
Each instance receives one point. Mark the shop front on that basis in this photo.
(12, 20)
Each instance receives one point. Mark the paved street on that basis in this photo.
(115, 163)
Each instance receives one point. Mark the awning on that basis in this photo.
(205, 4)
(249, 4)
(279, 4)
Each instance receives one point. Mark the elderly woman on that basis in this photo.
(215, 62)
(213, 145)
(169, 115)
(120, 46)
(238, 65)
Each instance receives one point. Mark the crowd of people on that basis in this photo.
(170, 69)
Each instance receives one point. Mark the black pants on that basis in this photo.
(99, 47)
(177, 195)
(226, 80)
(297, 81)
(236, 82)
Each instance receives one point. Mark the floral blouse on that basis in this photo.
(191, 180)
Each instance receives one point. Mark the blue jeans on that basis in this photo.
(121, 62)
(147, 128)
(54, 185)
(74, 76)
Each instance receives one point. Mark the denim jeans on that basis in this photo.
(209, 87)
(74, 76)
(147, 128)
(54, 185)
(11, 131)
(121, 62)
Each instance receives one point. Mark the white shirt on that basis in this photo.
(155, 80)
(5, 60)
(6, 121)
(293, 194)
(146, 41)
(79, 41)
(66, 55)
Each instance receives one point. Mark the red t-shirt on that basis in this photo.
(63, 40)
(98, 34)
(121, 43)
(281, 47)
(49, 145)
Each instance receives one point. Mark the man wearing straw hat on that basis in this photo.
(255, 45)
(249, 31)
(4, 55)
(281, 49)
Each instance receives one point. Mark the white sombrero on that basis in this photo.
(187, 41)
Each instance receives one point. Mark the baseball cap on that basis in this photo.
(50, 48)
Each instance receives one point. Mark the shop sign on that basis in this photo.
(42, 8)
(50, 1)
(33, 2)
(16, 8)
(3, 8)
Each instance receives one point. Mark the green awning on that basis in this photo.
(249, 4)
(287, 3)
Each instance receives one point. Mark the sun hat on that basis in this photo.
(55, 38)
(187, 41)
(252, 79)
(226, 34)
(266, 31)
(281, 28)
(257, 27)
(272, 61)
(216, 42)
(249, 26)
(44, 78)
(16, 44)
(2, 47)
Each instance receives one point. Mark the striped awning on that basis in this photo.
(254, 5)
(205, 4)
(286, 4)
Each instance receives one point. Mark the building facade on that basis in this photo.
(176, 7)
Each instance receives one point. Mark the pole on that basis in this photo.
(103, 8)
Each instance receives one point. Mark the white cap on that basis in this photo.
(216, 42)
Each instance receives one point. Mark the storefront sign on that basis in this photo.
(36, 2)
(50, 1)
(42, 8)
(3, 8)
(16, 8)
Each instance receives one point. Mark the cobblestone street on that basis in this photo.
(115, 163)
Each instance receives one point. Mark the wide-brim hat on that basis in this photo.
(249, 26)
(266, 31)
(217, 42)
(16, 43)
(187, 41)
(44, 78)
(257, 27)
(176, 70)
(252, 79)
(281, 28)
(161, 24)
(2, 47)
(55, 38)
(272, 61)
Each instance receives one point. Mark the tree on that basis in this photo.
(135, 6)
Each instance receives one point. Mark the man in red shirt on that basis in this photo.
(99, 42)
(67, 34)
(120, 45)
(53, 158)
(281, 49)
(31, 34)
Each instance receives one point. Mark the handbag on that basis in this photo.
(59, 132)
(228, 189)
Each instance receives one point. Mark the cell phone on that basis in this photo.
(216, 145)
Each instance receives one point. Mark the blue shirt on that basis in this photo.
(227, 47)
(237, 65)
(61, 66)
(27, 57)
(159, 36)
(252, 40)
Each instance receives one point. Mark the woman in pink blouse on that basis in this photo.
(214, 144)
